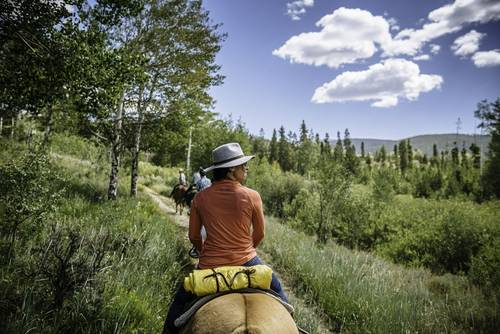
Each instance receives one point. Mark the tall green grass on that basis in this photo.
(361, 293)
(160, 179)
(148, 261)
(143, 257)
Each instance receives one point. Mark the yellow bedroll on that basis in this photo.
(208, 281)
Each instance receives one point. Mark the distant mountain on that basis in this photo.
(424, 143)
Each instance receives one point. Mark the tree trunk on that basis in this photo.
(1, 126)
(12, 125)
(30, 138)
(141, 108)
(188, 163)
(115, 151)
(319, 231)
(134, 171)
(135, 157)
(48, 127)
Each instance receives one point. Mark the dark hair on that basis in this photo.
(220, 173)
(202, 172)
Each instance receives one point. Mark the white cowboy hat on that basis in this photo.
(228, 155)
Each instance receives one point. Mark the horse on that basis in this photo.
(183, 196)
(178, 194)
(189, 195)
(239, 313)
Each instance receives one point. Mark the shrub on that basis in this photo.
(302, 212)
(30, 192)
(276, 188)
(384, 184)
(485, 268)
(68, 261)
(428, 181)
(443, 236)
(81, 148)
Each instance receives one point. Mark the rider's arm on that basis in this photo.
(257, 219)
(195, 227)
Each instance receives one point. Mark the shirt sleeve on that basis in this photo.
(195, 226)
(257, 219)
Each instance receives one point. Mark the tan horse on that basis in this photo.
(239, 313)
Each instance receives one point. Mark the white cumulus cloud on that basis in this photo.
(346, 35)
(444, 20)
(352, 34)
(434, 48)
(486, 58)
(297, 8)
(422, 57)
(467, 44)
(384, 83)
(393, 23)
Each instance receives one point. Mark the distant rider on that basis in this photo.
(204, 182)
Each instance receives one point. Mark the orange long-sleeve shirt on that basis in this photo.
(234, 220)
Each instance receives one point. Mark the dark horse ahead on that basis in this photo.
(182, 196)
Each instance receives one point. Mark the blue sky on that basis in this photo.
(383, 69)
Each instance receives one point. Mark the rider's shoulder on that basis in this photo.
(252, 193)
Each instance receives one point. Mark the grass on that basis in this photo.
(160, 179)
(148, 261)
(143, 259)
(361, 293)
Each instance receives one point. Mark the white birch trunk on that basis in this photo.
(134, 170)
(115, 151)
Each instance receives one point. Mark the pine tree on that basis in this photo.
(489, 114)
(362, 149)
(351, 161)
(347, 140)
(409, 150)
(396, 154)
(463, 158)
(317, 140)
(403, 156)
(284, 151)
(382, 154)
(454, 155)
(273, 148)
(305, 151)
(435, 155)
(291, 151)
(338, 152)
(327, 148)
(476, 155)
(260, 145)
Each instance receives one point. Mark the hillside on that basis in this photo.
(424, 143)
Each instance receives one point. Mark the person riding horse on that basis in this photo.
(182, 194)
(234, 221)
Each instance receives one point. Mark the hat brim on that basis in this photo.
(232, 163)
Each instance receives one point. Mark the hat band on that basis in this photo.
(228, 160)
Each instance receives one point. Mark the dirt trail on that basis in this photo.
(167, 205)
